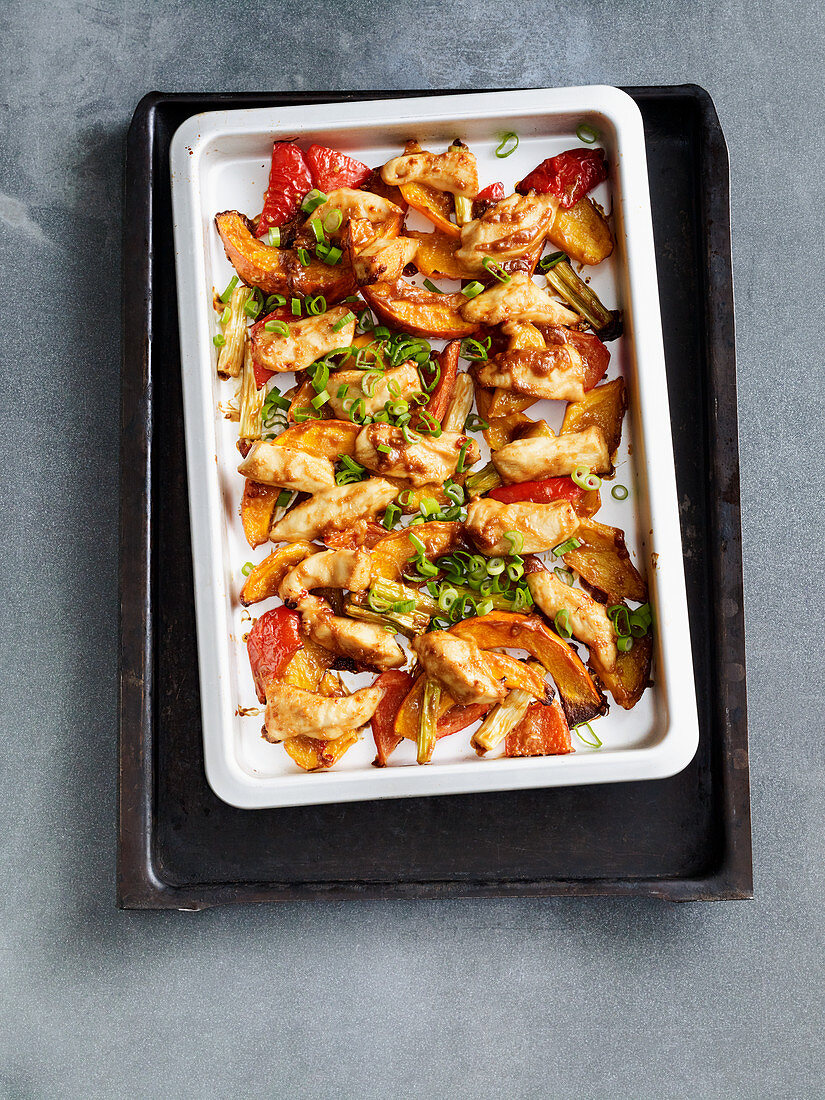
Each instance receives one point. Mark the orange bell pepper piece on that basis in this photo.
(436, 206)
(265, 579)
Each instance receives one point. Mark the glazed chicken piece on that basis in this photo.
(307, 341)
(385, 215)
(334, 509)
(459, 665)
(270, 464)
(398, 382)
(365, 643)
(453, 171)
(555, 373)
(511, 228)
(383, 259)
(554, 456)
(426, 462)
(588, 618)
(291, 712)
(347, 569)
(542, 526)
(518, 300)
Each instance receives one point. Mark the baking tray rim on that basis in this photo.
(192, 154)
(140, 882)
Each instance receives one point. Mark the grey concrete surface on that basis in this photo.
(594, 998)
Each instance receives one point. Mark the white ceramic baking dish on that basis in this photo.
(220, 161)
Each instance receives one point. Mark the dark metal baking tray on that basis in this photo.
(682, 838)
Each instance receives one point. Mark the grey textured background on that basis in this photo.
(588, 998)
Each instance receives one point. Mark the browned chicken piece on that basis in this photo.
(272, 465)
(555, 456)
(365, 643)
(334, 509)
(510, 229)
(460, 666)
(542, 526)
(518, 300)
(428, 462)
(291, 712)
(453, 171)
(398, 382)
(356, 204)
(383, 259)
(588, 618)
(307, 341)
(555, 373)
(348, 569)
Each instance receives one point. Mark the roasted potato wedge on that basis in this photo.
(266, 577)
(419, 311)
(628, 680)
(603, 407)
(582, 232)
(436, 206)
(436, 257)
(603, 562)
(257, 508)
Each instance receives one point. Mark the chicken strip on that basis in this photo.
(556, 373)
(357, 205)
(511, 228)
(455, 171)
(588, 618)
(334, 509)
(291, 712)
(399, 382)
(542, 526)
(460, 665)
(349, 569)
(270, 464)
(533, 459)
(306, 341)
(428, 461)
(365, 643)
(383, 260)
(517, 300)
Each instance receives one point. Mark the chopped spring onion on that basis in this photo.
(462, 456)
(565, 547)
(496, 270)
(273, 237)
(284, 497)
(429, 424)
(343, 390)
(345, 320)
(303, 256)
(474, 423)
(219, 340)
(365, 321)
(408, 494)
(496, 566)
(595, 743)
(320, 377)
(585, 479)
(430, 285)
(624, 645)
(318, 230)
(562, 624)
(516, 540)
(227, 313)
(587, 133)
(454, 492)
(382, 332)
(350, 472)
(295, 306)
(551, 260)
(280, 327)
(358, 411)
(313, 200)
(564, 575)
(619, 492)
(316, 305)
(472, 349)
(320, 400)
(330, 254)
(227, 294)
(333, 221)
(507, 145)
(409, 436)
(391, 518)
(254, 304)
(274, 301)
(473, 289)
(384, 449)
(370, 381)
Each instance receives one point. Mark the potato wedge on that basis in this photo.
(436, 257)
(419, 311)
(582, 232)
(312, 754)
(628, 680)
(257, 508)
(603, 562)
(436, 206)
(603, 407)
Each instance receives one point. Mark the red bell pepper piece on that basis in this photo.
(539, 492)
(568, 176)
(543, 731)
(493, 192)
(396, 687)
(439, 399)
(271, 644)
(331, 169)
(459, 717)
(289, 181)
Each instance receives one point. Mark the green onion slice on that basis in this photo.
(430, 285)
(333, 221)
(227, 313)
(345, 320)
(391, 518)
(472, 290)
(313, 200)
(587, 133)
(550, 261)
(564, 575)
(227, 294)
(280, 327)
(623, 644)
(595, 743)
(295, 306)
(274, 301)
(474, 423)
(316, 305)
(516, 540)
(462, 456)
(303, 256)
(273, 237)
(247, 568)
(507, 145)
(318, 230)
(583, 477)
(219, 340)
(384, 449)
(496, 270)
(562, 624)
(472, 349)
(566, 547)
(619, 492)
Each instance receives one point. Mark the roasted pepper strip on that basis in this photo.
(396, 686)
(540, 492)
(439, 399)
(271, 644)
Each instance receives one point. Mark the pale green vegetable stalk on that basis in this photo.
(230, 360)
(482, 481)
(428, 721)
(409, 623)
(392, 590)
(463, 209)
(460, 405)
(503, 717)
(251, 400)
